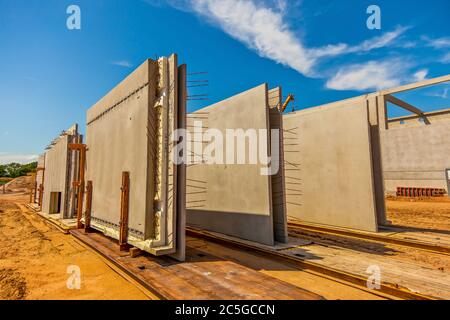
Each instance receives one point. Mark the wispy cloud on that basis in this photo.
(263, 27)
(6, 158)
(438, 43)
(382, 41)
(123, 63)
(446, 58)
(371, 75)
(260, 28)
(443, 94)
(420, 75)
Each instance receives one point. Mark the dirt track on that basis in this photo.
(427, 213)
(34, 259)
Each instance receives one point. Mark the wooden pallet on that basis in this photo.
(420, 192)
(202, 276)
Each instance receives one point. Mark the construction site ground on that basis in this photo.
(420, 213)
(34, 257)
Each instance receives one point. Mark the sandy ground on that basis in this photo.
(425, 213)
(35, 257)
(20, 184)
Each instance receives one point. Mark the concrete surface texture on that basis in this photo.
(128, 130)
(60, 168)
(329, 168)
(278, 180)
(416, 154)
(234, 199)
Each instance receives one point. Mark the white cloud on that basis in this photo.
(123, 63)
(264, 30)
(443, 95)
(437, 43)
(368, 45)
(367, 76)
(6, 158)
(446, 58)
(260, 28)
(421, 75)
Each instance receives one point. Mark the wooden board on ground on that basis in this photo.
(200, 277)
(441, 238)
(434, 241)
(397, 268)
(412, 275)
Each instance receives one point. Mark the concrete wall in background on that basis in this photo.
(416, 154)
(329, 170)
(59, 169)
(234, 199)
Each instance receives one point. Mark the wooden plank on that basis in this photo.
(371, 236)
(441, 238)
(416, 277)
(326, 259)
(77, 146)
(202, 276)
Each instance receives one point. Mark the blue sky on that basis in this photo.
(316, 49)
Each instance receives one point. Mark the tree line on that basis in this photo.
(14, 170)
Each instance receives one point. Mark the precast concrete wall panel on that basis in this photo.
(59, 167)
(234, 199)
(416, 155)
(118, 142)
(129, 131)
(328, 166)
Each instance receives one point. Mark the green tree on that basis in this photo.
(14, 170)
(2, 171)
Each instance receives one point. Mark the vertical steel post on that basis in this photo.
(87, 214)
(124, 205)
(82, 157)
(41, 192)
(35, 191)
